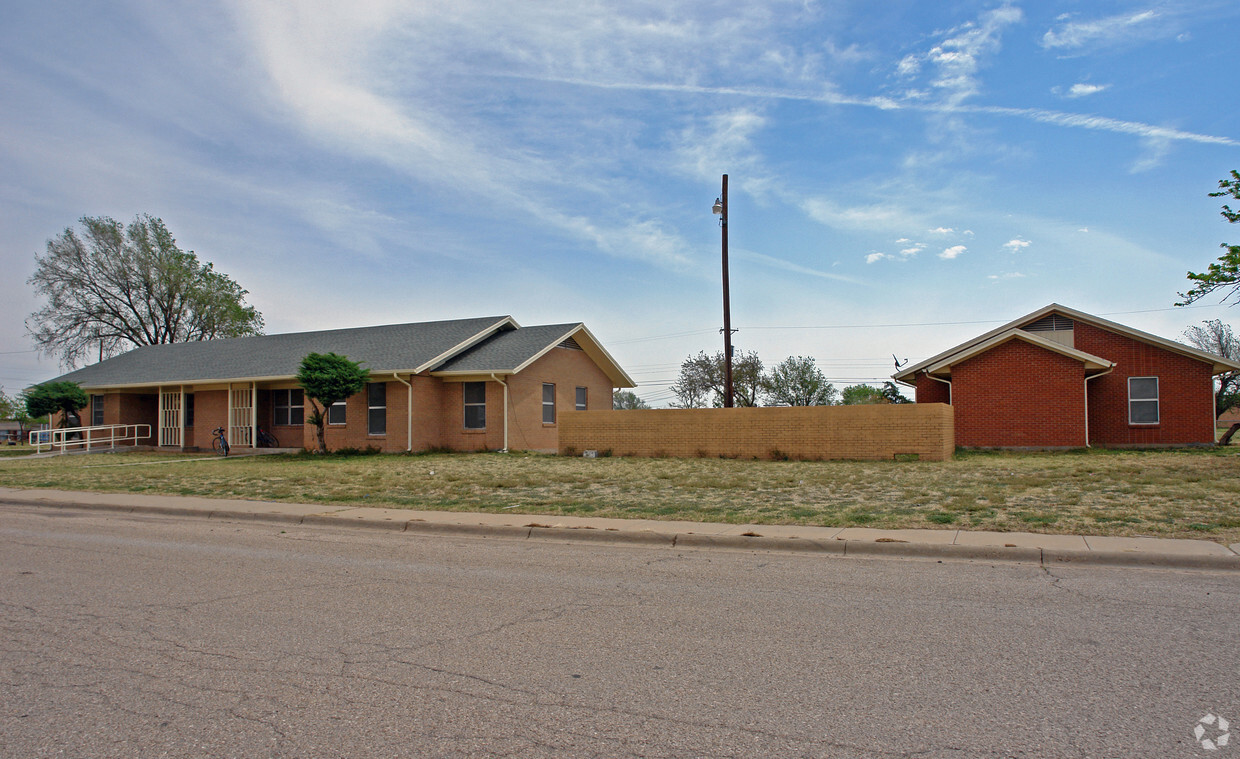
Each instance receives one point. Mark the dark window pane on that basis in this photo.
(296, 415)
(548, 393)
(476, 417)
(475, 392)
(1143, 412)
(296, 398)
(581, 399)
(189, 410)
(376, 394)
(377, 421)
(336, 413)
(1143, 388)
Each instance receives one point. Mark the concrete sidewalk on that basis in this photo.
(839, 541)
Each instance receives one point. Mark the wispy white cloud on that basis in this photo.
(1016, 245)
(779, 263)
(1084, 89)
(1008, 275)
(1072, 35)
(952, 252)
(941, 231)
(875, 257)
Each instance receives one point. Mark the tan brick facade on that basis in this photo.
(438, 419)
(871, 432)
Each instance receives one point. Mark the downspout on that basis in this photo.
(1087, 379)
(505, 384)
(408, 412)
(945, 382)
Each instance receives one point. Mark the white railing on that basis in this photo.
(89, 438)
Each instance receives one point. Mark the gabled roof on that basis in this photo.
(512, 351)
(1091, 362)
(403, 348)
(936, 364)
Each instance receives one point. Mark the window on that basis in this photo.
(96, 410)
(548, 403)
(475, 405)
(189, 409)
(376, 408)
(581, 399)
(288, 408)
(335, 413)
(1143, 400)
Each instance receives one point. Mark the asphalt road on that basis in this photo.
(144, 637)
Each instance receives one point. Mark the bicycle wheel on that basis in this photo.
(272, 441)
(220, 446)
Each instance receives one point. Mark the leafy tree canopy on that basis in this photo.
(1215, 337)
(855, 395)
(1225, 273)
(52, 397)
(892, 393)
(701, 380)
(328, 378)
(797, 381)
(110, 288)
(624, 400)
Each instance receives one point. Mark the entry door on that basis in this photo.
(241, 416)
(171, 412)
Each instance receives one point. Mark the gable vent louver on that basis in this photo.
(1052, 323)
(571, 344)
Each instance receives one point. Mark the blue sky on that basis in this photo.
(901, 179)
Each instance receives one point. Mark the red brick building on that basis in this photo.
(1061, 378)
(465, 384)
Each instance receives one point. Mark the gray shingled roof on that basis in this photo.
(506, 351)
(394, 347)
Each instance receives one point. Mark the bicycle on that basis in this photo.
(266, 439)
(219, 443)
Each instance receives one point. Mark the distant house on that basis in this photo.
(466, 384)
(1061, 378)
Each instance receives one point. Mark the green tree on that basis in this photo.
(797, 381)
(50, 398)
(856, 395)
(111, 287)
(892, 393)
(1215, 337)
(328, 378)
(1225, 274)
(701, 380)
(624, 400)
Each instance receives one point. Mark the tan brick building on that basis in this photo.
(466, 384)
(1061, 378)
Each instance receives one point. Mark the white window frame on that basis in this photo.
(344, 413)
(548, 405)
(370, 409)
(96, 411)
(581, 398)
(288, 406)
(1144, 400)
(466, 404)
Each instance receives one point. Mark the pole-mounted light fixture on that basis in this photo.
(721, 209)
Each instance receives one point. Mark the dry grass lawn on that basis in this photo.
(1190, 493)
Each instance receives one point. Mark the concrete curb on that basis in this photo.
(884, 548)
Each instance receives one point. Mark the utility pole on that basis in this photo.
(721, 208)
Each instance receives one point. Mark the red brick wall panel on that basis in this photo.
(1185, 392)
(932, 391)
(1019, 395)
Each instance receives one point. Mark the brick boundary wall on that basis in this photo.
(869, 432)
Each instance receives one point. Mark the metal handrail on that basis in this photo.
(88, 438)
